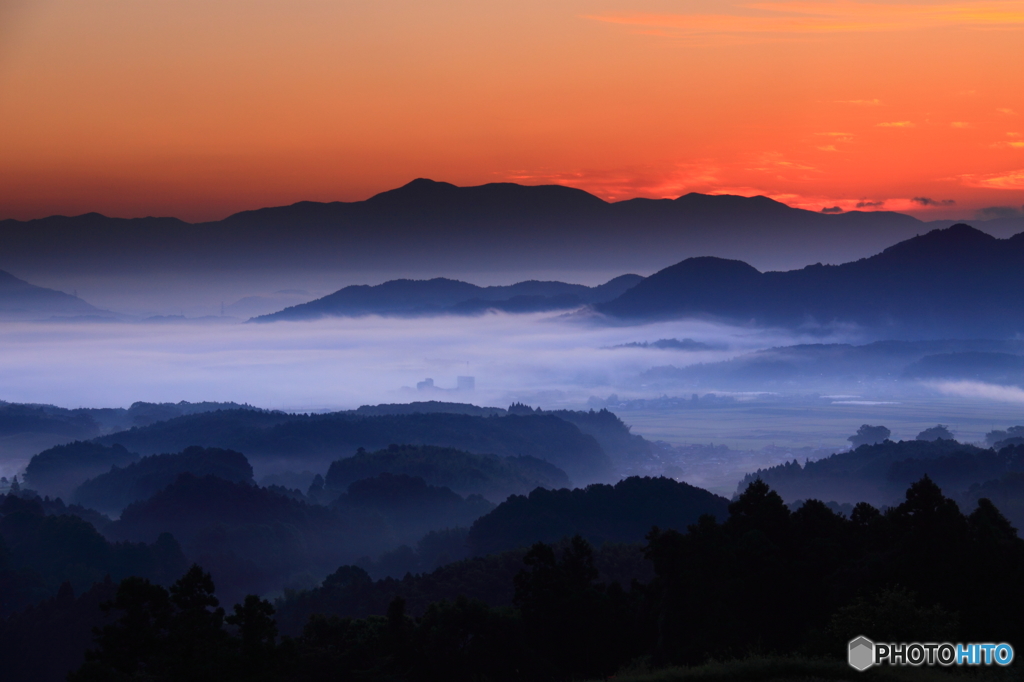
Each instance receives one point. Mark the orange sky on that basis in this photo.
(200, 108)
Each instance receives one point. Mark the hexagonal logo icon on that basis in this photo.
(861, 653)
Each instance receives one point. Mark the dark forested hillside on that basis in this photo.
(40, 551)
(600, 513)
(322, 439)
(59, 470)
(139, 480)
(793, 587)
(251, 538)
(877, 473)
(256, 539)
(30, 429)
(489, 475)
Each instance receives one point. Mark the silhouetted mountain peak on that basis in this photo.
(953, 282)
(702, 271)
(958, 244)
(733, 204)
(424, 196)
(695, 285)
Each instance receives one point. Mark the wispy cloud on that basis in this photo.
(896, 124)
(1008, 112)
(862, 102)
(960, 124)
(870, 204)
(817, 17)
(977, 389)
(1006, 180)
(928, 201)
(999, 212)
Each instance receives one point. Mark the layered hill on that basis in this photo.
(405, 297)
(317, 440)
(956, 282)
(430, 227)
(19, 299)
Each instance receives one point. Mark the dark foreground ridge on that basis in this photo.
(791, 586)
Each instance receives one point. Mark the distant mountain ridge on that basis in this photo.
(956, 282)
(448, 296)
(430, 227)
(18, 298)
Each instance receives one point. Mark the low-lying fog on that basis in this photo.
(344, 362)
(551, 361)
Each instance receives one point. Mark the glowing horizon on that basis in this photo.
(135, 107)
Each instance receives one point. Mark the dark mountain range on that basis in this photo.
(19, 299)
(430, 227)
(448, 296)
(953, 283)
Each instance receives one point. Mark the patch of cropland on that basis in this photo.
(838, 365)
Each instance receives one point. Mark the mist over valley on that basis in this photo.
(404, 447)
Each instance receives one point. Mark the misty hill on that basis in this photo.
(953, 283)
(119, 487)
(825, 364)
(428, 227)
(878, 473)
(19, 299)
(670, 344)
(62, 468)
(429, 406)
(291, 439)
(409, 506)
(251, 538)
(40, 551)
(609, 430)
(29, 429)
(448, 296)
(254, 539)
(489, 475)
(600, 513)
